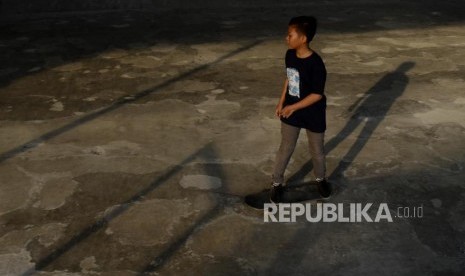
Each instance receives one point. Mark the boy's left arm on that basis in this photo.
(307, 101)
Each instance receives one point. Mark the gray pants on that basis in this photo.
(289, 136)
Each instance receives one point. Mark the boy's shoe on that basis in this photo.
(276, 193)
(324, 188)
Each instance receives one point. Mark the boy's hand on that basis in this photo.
(279, 109)
(287, 111)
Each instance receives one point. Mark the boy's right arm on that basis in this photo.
(279, 107)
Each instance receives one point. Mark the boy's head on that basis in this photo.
(304, 26)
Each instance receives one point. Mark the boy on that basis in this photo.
(302, 105)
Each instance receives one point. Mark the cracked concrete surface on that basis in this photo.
(128, 141)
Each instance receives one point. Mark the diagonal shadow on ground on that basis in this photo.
(123, 207)
(118, 104)
(163, 257)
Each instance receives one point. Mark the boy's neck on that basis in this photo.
(303, 51)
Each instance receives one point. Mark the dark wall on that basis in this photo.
(22, 7)
(47, 6)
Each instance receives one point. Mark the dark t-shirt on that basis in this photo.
(306, 76)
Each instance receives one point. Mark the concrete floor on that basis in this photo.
(128, 141)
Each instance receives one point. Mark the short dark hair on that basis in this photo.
(305, 25)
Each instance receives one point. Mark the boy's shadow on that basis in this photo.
(369, 110)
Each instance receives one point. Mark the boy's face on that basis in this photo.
(294, 39)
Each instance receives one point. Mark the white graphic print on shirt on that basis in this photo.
(294, 80)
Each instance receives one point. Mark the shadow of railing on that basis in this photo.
(122, 208)
(118, 104)
(162, 258)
